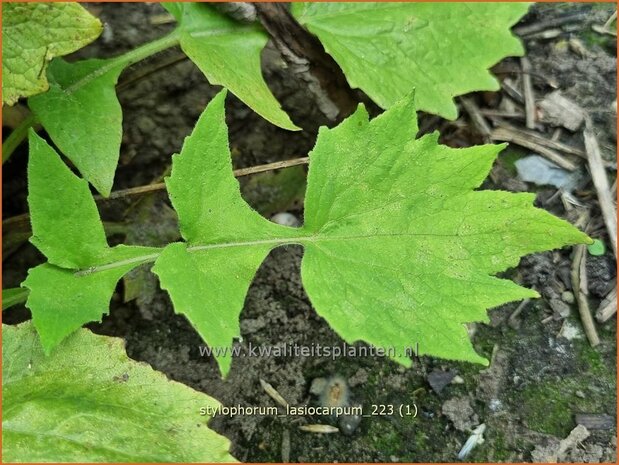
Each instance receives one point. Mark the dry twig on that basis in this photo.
(600, 181)
(477, 118)
(608, 307)
(523, 139)
(529, 96)
(577, 275)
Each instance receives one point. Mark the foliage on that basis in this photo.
(88, 402)
(34, 33)
(13, 296)
(439, 49)
(228, 53)
(399, 246)
(385, 62)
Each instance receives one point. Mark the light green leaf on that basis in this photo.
(439, 49)
(398, 233)
(228, 53)
(82, 115)
(65, 221)
(33, 34)
(81, 112)
(597, 248)
(227, 239)
(88, 402)
(63, 300)
(209, 286)
(400, 249)
(68, 230)
(13, 296)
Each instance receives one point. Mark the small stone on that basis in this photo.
(360, 377)
(438, 379)
(394, 459)
(250, 326)
(460, 412)
(318, 386)
(580, 394)
(560, 307)
(567, 297)
(286, 219)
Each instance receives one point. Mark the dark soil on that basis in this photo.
(543, 370)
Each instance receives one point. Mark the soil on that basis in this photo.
(543, 370)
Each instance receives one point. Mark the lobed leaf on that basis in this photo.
(33, 34)
(398, 233)
(82, 115)
(228, 53)
(68, 230)
(439, 49)
(208, 277)
(88, 402)
(401, 250)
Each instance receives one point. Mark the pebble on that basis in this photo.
(567, 297)
(286, 219)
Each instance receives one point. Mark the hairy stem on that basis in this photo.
(149, 258)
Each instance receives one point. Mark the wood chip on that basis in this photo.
(576, 436)
(558, 110)
(608, 307)
(478, 120)
(276, 396)
(595, 420)
(321, 429)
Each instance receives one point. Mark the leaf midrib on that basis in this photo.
(277, 242)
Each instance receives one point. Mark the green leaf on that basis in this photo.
(228, 53)
(227, 240)
(439, 49)
(68, 230)
(34, 33)
(65, 221)
(90, 139)
(88, 402)
(401, 250)
(81, 112)
(13, 296)
(597, 248)
(398, 232)
(399, 247)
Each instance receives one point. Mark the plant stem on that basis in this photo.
(127, 59)
(16, 137)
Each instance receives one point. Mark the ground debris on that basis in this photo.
(554, 450)
(558, 110)
(460, 413)
(439, 379)
(595, 420)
